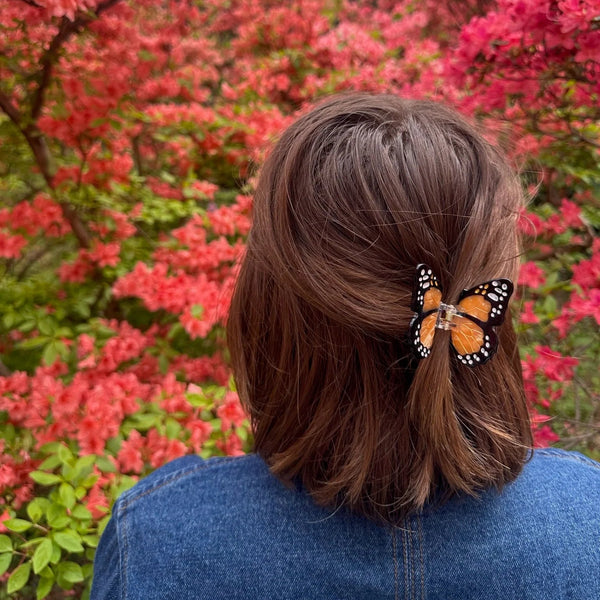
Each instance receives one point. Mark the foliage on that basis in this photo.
(129, 134)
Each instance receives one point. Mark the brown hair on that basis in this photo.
(355, 194)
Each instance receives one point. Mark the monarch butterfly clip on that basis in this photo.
(471, 322)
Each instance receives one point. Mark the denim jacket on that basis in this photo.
(227, 528)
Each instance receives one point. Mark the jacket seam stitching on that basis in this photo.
(405, 552)
(171, 478)
(412, 559)
(126, 502)
(122, 533)
(395, 552)
(557, 453)
(420, 527)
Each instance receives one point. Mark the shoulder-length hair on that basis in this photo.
(356, 193)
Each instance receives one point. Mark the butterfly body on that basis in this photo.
(470, 322)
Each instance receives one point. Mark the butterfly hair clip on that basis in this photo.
(471, 322)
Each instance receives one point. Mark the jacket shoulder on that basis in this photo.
(540, 532)
(193, 471)
(565, 457)
(558, 469)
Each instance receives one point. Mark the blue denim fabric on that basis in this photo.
(226, 528)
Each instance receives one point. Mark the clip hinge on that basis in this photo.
(445, 316)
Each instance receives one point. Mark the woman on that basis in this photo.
(391, 430)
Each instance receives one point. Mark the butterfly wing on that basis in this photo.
(422, 328)
(474, 343)
(480, 309)
(426, 299)
(488, 301)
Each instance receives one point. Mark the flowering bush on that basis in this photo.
(129, 132)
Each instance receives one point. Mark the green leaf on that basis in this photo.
(50, 447)
(8, 432)
(34, 512)
(65, 455)
(44, 503)
(196, 400)
(50, 354)
(97, 122)
(176, 329)
(70, 571)
(173, 428)
(17, 525)
(163, 364)
(143, 421)
(242, 433)
(67, 472)
(91, 540)
(88, 569)
(32, 542)
(57, 516)
(5, 544)
(50, 463)
(105, 465)
(44, 587)
(35, 509)
(68, 540)
(84, 463)
(28, 326)
(32, 343)
(47, 573)
(9, 320)
(66, 494)
(19, 578)
(56, 554)
(550, 305)
(44, 478)
(146, 55)
(5, 560)
(197, 311)
(46, 326)
(81, 512)
(42, 556)
(89, 481)
(83, 310)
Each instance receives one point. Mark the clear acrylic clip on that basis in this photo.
(445, 316)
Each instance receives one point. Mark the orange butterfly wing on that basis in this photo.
(432, 300)
(467, 335)
(481, 307)
(427, 330)
(427, 297)
(476, 306)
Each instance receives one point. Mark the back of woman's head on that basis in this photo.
(354, 196)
